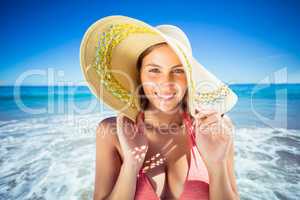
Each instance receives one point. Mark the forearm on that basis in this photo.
(219, 184)
(126, 183)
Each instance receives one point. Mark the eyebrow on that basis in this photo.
(153, 64)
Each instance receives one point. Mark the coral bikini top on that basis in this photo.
(196, 185)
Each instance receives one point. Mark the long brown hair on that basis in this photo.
(143, 99)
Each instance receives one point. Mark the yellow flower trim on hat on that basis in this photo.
(189, 67)
(214, 96)
(208, 97)
(108, 41)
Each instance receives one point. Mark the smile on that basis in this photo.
(165, 97)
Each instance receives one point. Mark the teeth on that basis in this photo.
(165, 96)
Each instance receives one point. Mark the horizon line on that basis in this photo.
(32, 85)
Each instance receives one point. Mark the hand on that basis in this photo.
(132, 140)
(214, 135)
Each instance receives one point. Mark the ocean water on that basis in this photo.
(47, 141)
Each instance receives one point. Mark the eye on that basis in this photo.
(179, 70)
(155, 70)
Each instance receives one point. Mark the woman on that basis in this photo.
(166, 153)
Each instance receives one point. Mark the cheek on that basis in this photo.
(148, 90)
(181, 84)
(150, 82)
(151, 77)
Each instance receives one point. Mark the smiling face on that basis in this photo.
(163, 78)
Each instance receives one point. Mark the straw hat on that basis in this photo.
(108, 54)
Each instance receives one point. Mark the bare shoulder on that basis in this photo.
(107, 133)
(106, 126)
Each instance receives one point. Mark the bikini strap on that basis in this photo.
(190, 130)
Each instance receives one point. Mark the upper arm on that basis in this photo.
(108, 162)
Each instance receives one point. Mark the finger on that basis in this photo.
(201, 108)
(213, 131)
(229, 128)
(127, 123)
(204, 128)
(119, 123)
(125, 126)
(228, 121)
(210, 119)
(140, 122)
(205, 113)
(202, 116)
(221, 130)
(213, 127)
(206, 125)
(120, 131)
(227, 135)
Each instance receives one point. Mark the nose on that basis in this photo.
(167, 84)
(166, 79)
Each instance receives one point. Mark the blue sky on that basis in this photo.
(239, 41)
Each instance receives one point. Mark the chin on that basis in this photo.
(167, 108)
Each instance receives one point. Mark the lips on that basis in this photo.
(165, 97)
